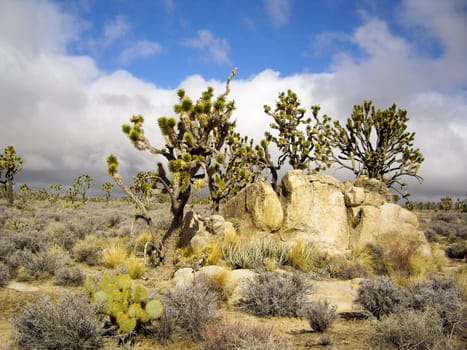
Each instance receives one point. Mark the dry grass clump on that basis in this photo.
(237, 335)
(275, 294)
(135, 267)
(114, 255)
(320, 314)
(69, 324)
(305, 256)
(253, 254)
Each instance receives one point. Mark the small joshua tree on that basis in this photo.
(192, 148)
(82, 184)
(10, 165)
(107, 188)
(55, 192)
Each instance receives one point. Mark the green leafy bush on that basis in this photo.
(126, 303)
(275, 294)
(70, 324)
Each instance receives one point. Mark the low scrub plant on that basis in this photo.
(88, 250)
(320, 314)
(409, 329)
(71, 323)
(380, 296)
(189, 308)
(4, 274)
(69, 276)
(275, 294)
(238, 335)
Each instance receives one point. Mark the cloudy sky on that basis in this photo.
(71, 72)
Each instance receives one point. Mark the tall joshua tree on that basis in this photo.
(10, 165)
(192, 148)
(299, 139)
(376, 143)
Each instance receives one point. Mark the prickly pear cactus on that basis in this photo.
(126, 303)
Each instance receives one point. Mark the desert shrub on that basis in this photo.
(40, 265)
(189, 308)
(408, 330)
(88, 250)
(275, 294)
(440, 227)
(32, 240)
(114, 255)
(379, 296)
(377, 253)
(4, 274)
(320, 314)
(305, 256)
(237, 335)
(340, 267)
(443, 296)
(69, 276)
(70, 324)
(134, 267)
(457, 250)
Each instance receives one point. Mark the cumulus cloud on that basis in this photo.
(217, 48)
(115, 29)
(140, 49)
(278, 11)
(64, 115)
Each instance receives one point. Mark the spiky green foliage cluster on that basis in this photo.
(297, 138)
(376, 143)
(240, 165)
(10, 165)
(144, 185)
(82, 184)
(192, 148)
(55, 192)
(107, 188)
(126, 303)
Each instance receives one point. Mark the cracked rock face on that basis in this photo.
(322, 210)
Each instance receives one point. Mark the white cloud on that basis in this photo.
(217, 48)
(278, 11)
(115, 29)
(140, 49)
(64, 115)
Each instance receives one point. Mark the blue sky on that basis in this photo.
(73, 71)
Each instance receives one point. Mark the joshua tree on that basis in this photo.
(82, 184)
(107, 188)
(55, 192)
(297, 138)
(192, 148)
(240, 165)
(10, 165)
(375, 143)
